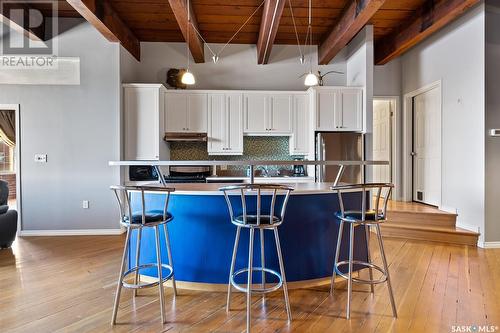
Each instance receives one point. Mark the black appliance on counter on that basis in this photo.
(140, 173)
(187, 174)
(299, 170)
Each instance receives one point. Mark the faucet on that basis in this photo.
(265, 170)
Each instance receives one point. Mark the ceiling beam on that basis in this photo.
(269, 24)
(433, 16)
(196, 45)
(104, 18)
(21, 23)
(355, 16)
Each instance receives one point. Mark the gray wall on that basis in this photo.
(387, 79)
(455, 56)
(237, 67)
(492, 145)
(78, 128)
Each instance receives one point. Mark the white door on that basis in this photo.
(299, 140)
(427, 147)
(281, 113)
(176, 110)
(351, 110)
(382, 143)
(256, 105)
(217, 136)
(197, 115)
(234, 120)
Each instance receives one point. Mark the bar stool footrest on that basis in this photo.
(274, 287)
(366, 265)
(150, 284)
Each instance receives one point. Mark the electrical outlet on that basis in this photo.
(85, 204)
(41, 158)
(223, 167)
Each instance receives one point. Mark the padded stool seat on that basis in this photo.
(150, 217)
(265, 220)
(357, 217)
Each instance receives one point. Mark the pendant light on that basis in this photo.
(188, 77)
(311, 78)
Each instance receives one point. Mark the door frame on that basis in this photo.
(408, 138)
(16, 108)
(395, 144)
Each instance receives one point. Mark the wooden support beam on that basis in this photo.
(355, 16)
(21, 18)
(196, 45)
(433, 16)
(104, 18)
(271, 16)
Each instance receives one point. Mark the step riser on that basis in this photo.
(422, 219)
(436, 236)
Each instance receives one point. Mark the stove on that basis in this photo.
(187, 174)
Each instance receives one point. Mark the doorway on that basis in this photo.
(384, 141)
(423, 145)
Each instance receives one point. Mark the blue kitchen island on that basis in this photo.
(202, 236)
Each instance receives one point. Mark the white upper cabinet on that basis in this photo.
(338, 109)
(267, 113)
(301, 130)
(143, 110)
(225, 124)
(186, 112)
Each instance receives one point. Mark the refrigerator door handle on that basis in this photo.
(321, 151)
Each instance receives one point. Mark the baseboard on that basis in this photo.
(489, 245)
(75, 232)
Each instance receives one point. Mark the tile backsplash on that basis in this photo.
(254, 148)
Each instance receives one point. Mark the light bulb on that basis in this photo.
(188, 78)
(311, 80)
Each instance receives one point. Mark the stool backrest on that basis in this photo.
(382, 195)
(123, 196)
(245, 190)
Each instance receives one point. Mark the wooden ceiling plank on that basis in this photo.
(196, 45)
(354, 18)
(431, 18)
(103, 17)
(269, 24)
(21, 25)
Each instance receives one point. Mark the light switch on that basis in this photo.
(85, 204)
(41, 158)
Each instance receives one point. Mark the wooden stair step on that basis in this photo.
(446, 234)
(422, 218)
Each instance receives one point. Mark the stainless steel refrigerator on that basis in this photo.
(339, 147)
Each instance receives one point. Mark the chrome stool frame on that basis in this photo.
(139, 221)
(366, 218)
(260, 222)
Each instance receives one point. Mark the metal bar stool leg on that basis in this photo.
(349, 283)
(249, 283)
(160, 273)
(231, 270)
(282, 271)
(137, 258)
(262, 261)
(169, 254)
(337, 253)
(120, 279)
(386, 268)
(369, 256)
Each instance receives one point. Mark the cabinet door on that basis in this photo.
(234, 120)
(352, 110)
(217, 134)
(197, 114)
(256, 105)
(142, 126)
(299, 141)
(281, 113)
(327, 104)
(176, 111)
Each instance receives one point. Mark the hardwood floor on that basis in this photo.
(66, 284)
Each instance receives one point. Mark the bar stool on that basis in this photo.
(139, 220)
(366, 218)
(262, 220)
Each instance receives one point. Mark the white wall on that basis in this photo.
(455, 56)
(78, 128)
(387, 79)
(237, 67)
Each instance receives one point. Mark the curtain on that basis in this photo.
(8, 127)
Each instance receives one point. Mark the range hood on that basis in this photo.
(182, 136)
